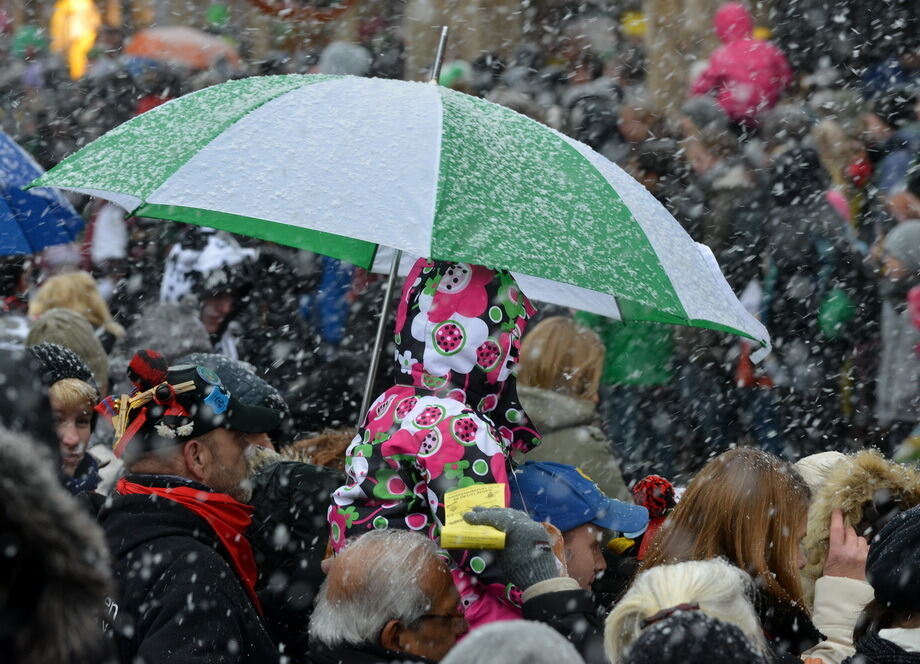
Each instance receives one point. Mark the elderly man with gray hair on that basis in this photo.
(388, 597)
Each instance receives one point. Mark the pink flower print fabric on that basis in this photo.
(450, 422)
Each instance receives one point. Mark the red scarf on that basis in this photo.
(227, 517)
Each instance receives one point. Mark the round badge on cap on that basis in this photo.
(218, 400)
(208, 376)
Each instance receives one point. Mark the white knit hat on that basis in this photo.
(816, 468)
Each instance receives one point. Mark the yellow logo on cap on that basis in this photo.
(584, 474)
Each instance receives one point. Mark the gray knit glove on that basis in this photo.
(528, 555)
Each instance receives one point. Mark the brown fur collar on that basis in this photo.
(852, 484)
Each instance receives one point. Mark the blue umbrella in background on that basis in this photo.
(34, 219)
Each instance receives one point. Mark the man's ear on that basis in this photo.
(390, 636)
(197, 457)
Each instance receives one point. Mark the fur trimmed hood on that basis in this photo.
(58, 577)
(855, 481)
(261, 457)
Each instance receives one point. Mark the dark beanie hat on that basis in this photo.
(57, 363)
(692, 637)
(893, 565)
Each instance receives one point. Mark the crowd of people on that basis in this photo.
(185, 474)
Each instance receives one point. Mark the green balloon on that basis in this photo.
(836, 311)
(217, 14)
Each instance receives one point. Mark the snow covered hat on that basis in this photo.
(687, 635)
(567, 498)
(171, 405)
(58, 363)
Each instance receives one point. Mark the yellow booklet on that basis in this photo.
(457, 533)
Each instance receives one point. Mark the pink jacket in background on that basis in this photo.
(913, 305)
(748, 76)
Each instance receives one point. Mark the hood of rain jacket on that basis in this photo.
(865, 486)
(746, 75)
(570, 437)
(449, 422)
(732, 22)
(179, 597)
(552, 411)
(55, 570)
(458, 334)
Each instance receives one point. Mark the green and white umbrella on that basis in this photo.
(344, 166)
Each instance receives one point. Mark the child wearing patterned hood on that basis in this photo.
(450, 421)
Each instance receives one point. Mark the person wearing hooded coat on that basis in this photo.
(869, 490)
(747, 76)
(450, 421)
(860, 494)
(514, 642)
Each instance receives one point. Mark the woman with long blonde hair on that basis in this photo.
(748, 507)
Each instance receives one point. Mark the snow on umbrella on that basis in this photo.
(30, 220)
(343, 165)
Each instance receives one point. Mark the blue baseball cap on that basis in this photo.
(567, 498)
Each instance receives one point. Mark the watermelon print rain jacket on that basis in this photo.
(449, 422)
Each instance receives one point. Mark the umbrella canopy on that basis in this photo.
(343, 166)
(30, 220)
(182, 45)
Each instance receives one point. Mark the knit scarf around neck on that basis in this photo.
(873, 649)
(227, 517)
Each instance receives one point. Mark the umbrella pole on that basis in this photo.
(381, 332)
(439, 57)
(394, 270)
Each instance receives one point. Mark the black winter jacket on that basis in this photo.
(178, 597)
(289, 534)
(574, 615)
(789, 630)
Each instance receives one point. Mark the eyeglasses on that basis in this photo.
(457, 623)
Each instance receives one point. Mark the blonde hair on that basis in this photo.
(76, 291)
(561, 356)
(73, 392)
(835, 150)
(746, 506)
(721, 590)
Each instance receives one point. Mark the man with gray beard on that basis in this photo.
(176, 523)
